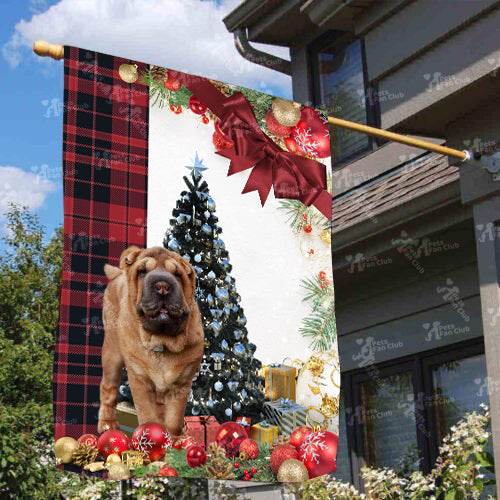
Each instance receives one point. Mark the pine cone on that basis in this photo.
(84, 455)
(222, 87)
(216, 452)
(158, 74)
(220, 469)
(278, 441)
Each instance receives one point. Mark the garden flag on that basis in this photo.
(196, 326)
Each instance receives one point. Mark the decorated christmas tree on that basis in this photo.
(228, 384)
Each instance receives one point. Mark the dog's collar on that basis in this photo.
(158, 348)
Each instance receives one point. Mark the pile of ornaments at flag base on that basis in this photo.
(303, 455)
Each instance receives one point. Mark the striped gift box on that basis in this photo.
(286, 414)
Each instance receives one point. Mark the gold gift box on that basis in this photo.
(266, 434)
(127, 417)
(280, 381)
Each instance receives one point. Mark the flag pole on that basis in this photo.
(403, 139)
(45, 49)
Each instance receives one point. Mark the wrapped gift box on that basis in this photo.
(286, 414)
(280, 381)
(245, 422)
(127, 417)
(202, 428)
(264, 432)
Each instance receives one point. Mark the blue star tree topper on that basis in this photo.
(197, 167)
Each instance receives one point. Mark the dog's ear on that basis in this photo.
(111, 272)
(129, 256)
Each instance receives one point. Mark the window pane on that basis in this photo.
(342, 90)
(389, 427)
(459, 387)
(343, 472)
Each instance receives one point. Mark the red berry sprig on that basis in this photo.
(307, 228)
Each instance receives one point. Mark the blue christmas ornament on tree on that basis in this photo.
(174, 245)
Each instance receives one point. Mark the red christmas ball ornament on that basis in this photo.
(196, 456)
(311, 134)
(89, 440)
(229, 436)
(168, 471)
(205, 119)
(250, 447)
(196, 106)
(322, 275)
(292, 146)
(112, 441)
(184, 442)
(307, 228)
(281, 453)
(275, 126)
(253, 471)
(221, 141)
(176, 109)
(318, 452)
(298, 436)
(152, 439)
(246, 478)
(171, 83)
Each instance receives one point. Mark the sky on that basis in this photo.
(186, 35)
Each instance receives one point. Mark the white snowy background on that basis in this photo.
(266, 256)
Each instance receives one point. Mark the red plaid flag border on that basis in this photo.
(105, 167)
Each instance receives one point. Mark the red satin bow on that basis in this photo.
(291, 176)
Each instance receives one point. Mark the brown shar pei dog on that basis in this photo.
(153, 326)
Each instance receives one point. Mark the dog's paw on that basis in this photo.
(106, 425)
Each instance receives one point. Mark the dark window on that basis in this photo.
(340, 86)
(396, 414)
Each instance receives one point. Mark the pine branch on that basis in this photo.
(295, 210)
(161, 96)
(320, 327)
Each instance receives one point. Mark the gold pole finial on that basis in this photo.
(43, 48)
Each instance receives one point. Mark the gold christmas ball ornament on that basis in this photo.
(326, 237)
(128, 72)
(113, 459)
(292, 471)
(286, 112)
(64, 449)
(118, 470)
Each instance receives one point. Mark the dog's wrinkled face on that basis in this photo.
(161, 285)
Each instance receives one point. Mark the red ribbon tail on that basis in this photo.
(323, 203)
(261, 180)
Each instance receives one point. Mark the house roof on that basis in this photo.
(282, 22)
(400, 186)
